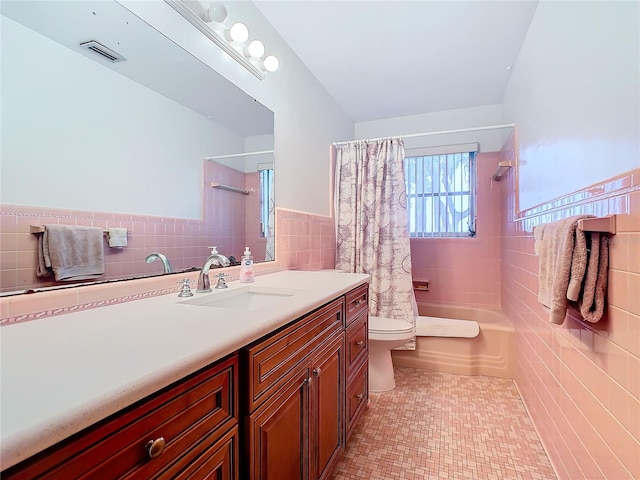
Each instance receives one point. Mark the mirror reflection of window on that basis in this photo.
(267, 209)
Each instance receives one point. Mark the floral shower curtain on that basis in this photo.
(371, 222)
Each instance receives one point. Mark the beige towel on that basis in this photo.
(73, 253)
(538, 234)
(592, 300)
(579, 259)
(563, 258)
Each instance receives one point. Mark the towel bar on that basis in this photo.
(37, 229)
(502, 169)
(601, 224)
(229, 188)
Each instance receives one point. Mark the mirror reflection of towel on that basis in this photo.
(71, 252)
(117, 237)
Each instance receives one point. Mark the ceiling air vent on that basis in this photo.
(103, 51)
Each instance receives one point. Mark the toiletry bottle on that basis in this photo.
(246, 267)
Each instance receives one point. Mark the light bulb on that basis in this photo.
(239, 32)
(255, 49)
(271, 63)
(216, 12)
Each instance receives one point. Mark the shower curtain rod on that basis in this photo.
(231, 155)
(426, 134)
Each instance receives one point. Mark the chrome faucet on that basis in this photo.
(165, 261)
(204, 284)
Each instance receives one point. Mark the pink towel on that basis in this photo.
(73, 253)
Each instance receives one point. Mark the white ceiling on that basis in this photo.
(382, 59)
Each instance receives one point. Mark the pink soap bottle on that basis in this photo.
(246, 267)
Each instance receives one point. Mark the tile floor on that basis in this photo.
(436, 426)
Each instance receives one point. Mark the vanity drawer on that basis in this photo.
(357, 301)
(357, 397)
(357, 343)
(269, 361)
(219, 461)
(204, 405)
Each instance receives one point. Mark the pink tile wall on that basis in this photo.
(580, 382)
(305, 241)
(465, 271)
(184, 241)
(224, 210)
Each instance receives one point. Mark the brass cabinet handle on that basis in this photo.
(317, 371)
(360, 343)
(308, 381)
(155, 447)
(360, 396)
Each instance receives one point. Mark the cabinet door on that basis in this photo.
(327, 412)
(279, 432)
(357, 397)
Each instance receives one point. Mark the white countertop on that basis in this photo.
(64, 373)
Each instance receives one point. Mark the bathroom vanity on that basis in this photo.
(260, 381)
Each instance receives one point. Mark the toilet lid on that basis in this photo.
(389, 325)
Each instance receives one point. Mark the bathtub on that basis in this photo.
(491, 353)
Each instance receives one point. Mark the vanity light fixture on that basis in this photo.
(238, 32)
(255, 49)
(271, 63)
(233, 40)
(216, 12)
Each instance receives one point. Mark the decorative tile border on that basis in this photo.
(563, 206)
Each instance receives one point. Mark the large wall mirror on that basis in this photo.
(90, 141)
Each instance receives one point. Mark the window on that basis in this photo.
(266, 201)
(441, 195)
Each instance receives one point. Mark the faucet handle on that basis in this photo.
(221, 283)
(186, 288)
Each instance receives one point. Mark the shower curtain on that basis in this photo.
(371, 225)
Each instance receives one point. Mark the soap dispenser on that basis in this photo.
(246, 267)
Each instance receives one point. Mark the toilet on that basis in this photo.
(384, 335)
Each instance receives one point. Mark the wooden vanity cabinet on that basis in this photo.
(357, 356)
(279, 409)
(295, 384)
(196, 418)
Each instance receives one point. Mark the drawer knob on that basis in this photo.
(360, 343)
(155, 447)
(317, 371)
(359, 301)
(360, 396)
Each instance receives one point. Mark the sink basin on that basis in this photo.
(250, 297)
